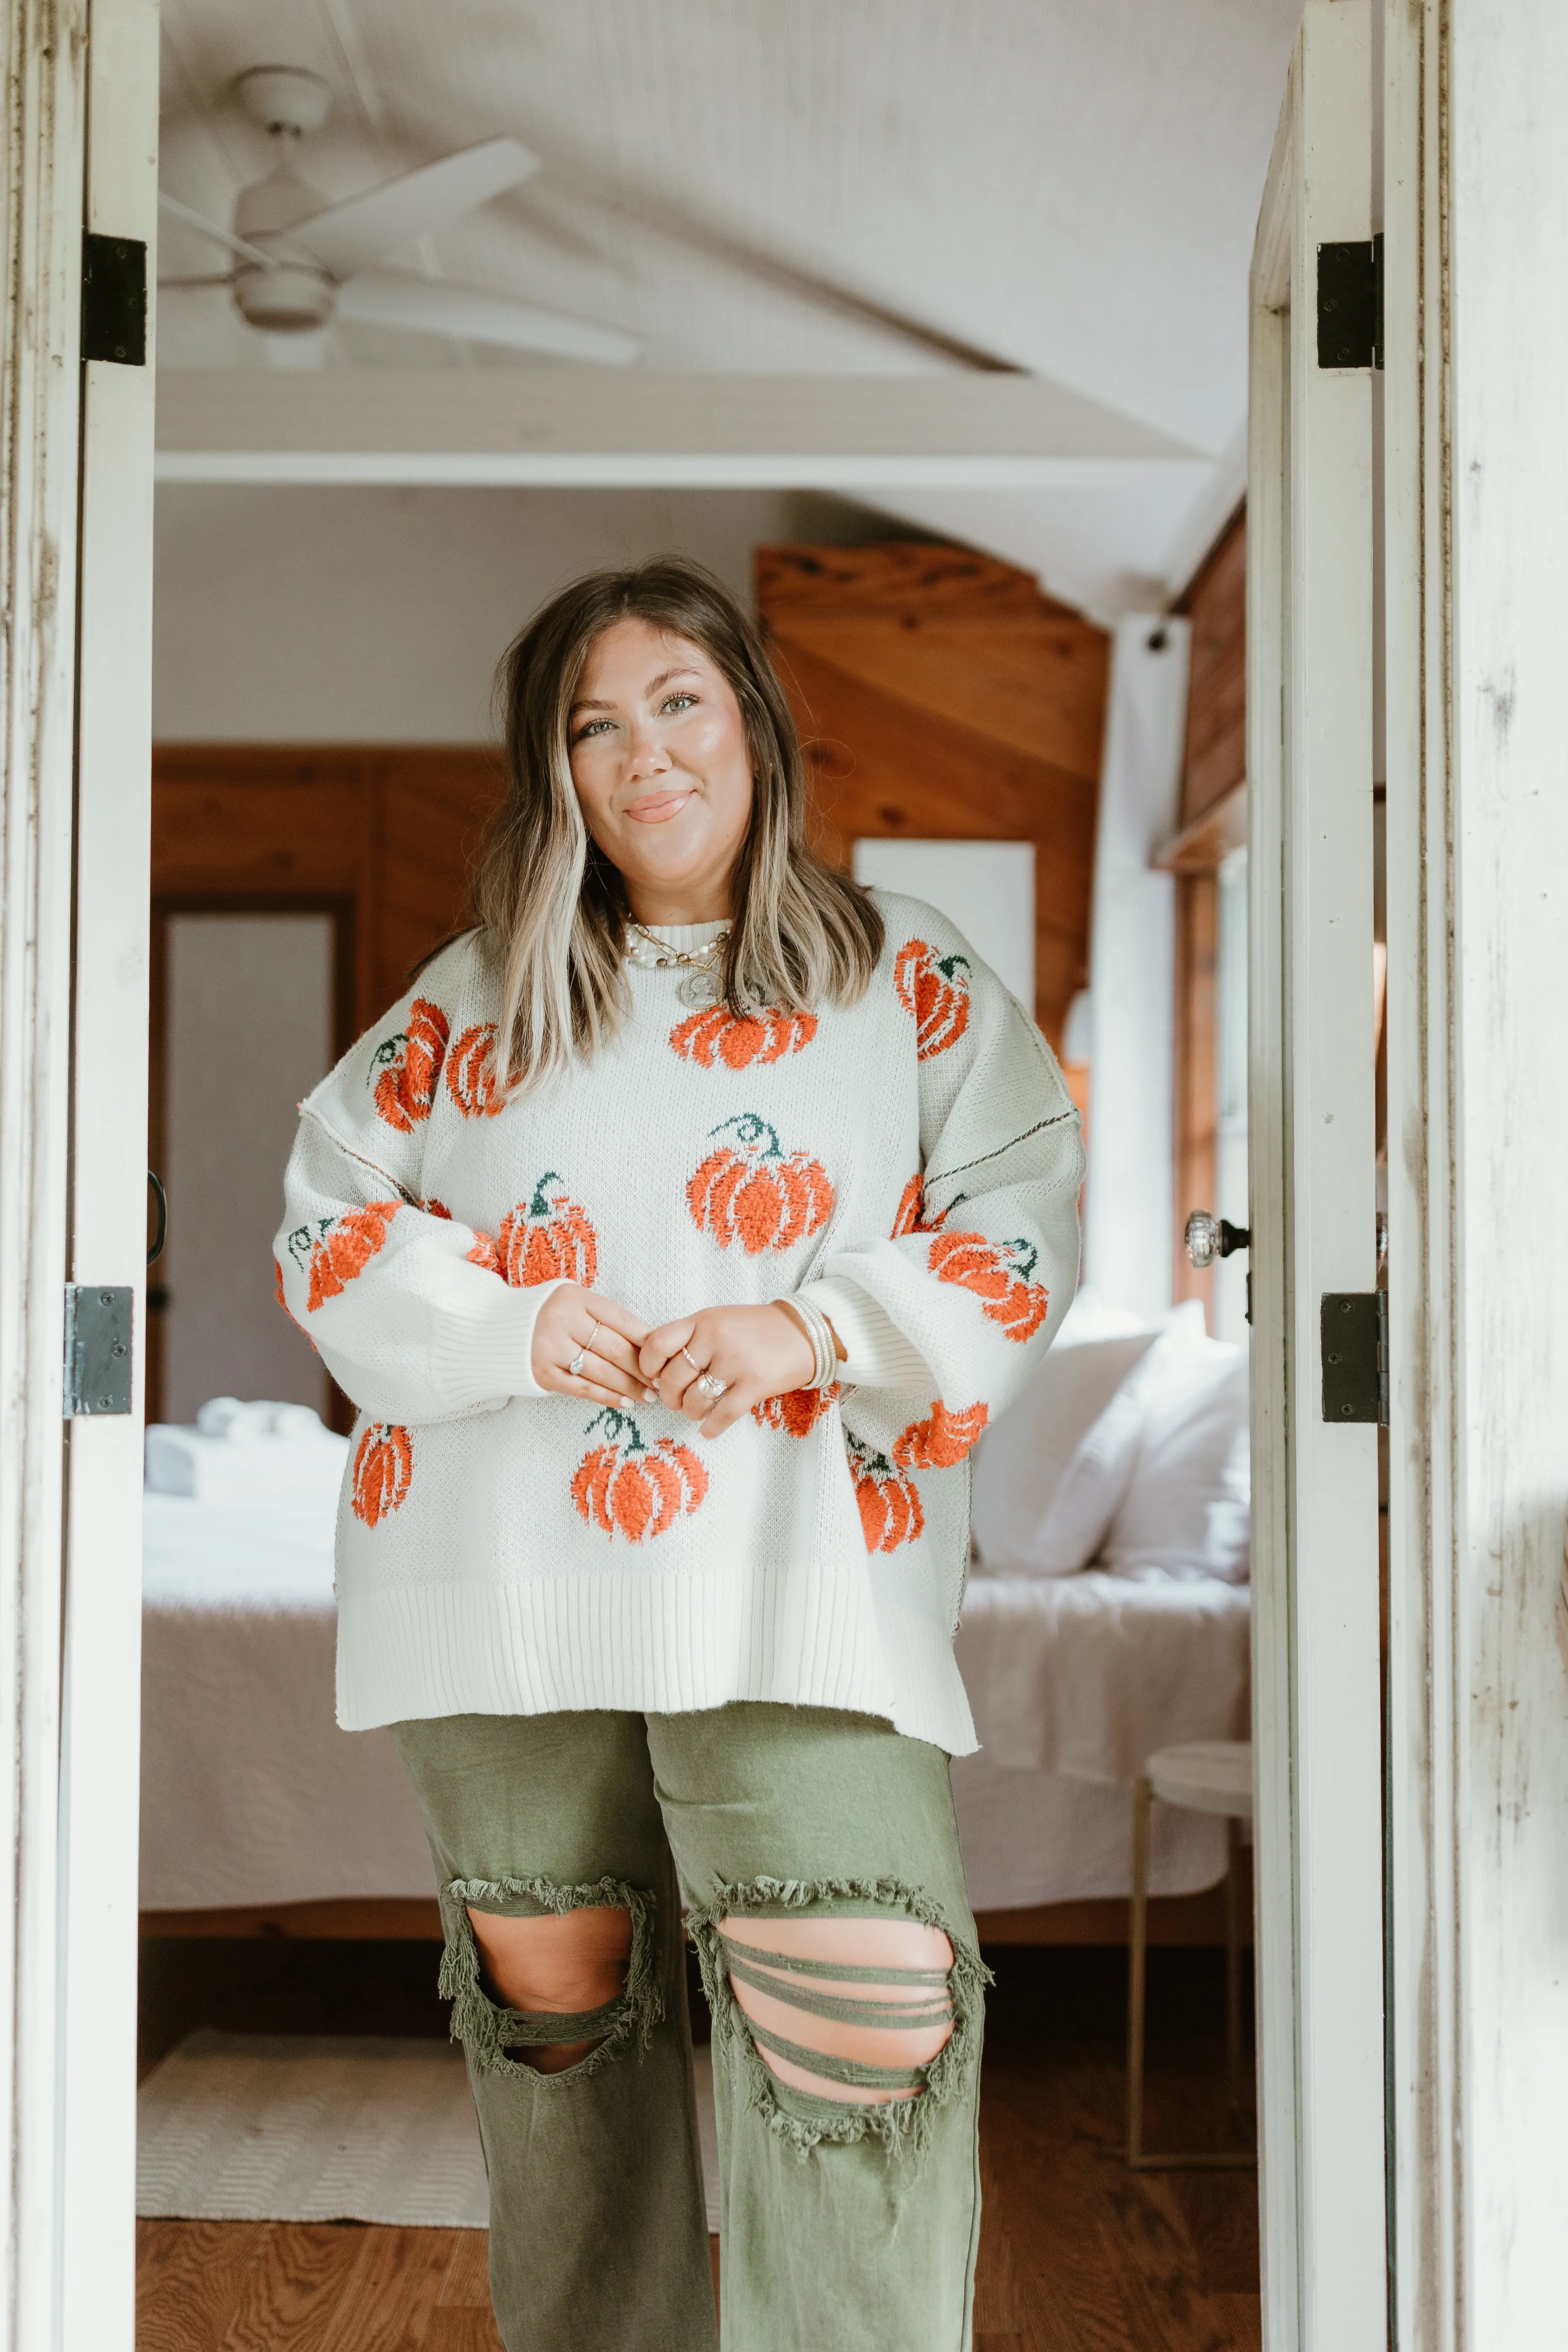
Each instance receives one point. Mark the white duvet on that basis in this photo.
(250, 1794)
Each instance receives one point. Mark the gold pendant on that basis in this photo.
(701, 988)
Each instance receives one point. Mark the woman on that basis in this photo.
(677, 1236)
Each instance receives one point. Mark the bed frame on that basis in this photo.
(1173, 1920)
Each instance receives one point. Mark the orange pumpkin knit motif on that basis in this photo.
(471, 1073)
(738, 1042)
(405, 1069)
(890, 1504)
(340, 1249)
(999, 1273)
(935, 989)
(943, 1439)
(639, 1491)
(797, 1411)
(910, 1217)
(384, 1469)
(484, 1251)
(751, 1191)
(548, 1238)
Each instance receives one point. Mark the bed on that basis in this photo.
(253, 1800)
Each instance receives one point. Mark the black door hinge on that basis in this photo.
(114, 299)
(1350, 305)
(98, 1349)
(1354, 1327)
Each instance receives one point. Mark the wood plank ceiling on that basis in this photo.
(939, 696)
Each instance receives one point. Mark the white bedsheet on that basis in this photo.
(250, 1794)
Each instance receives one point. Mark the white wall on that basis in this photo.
(372, 616)
(249, 1031)
(986, 888)
(1130, 1194)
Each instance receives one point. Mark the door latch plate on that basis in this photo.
(98, 1349)
(1354, 1333)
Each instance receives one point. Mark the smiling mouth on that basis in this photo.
(659, 807)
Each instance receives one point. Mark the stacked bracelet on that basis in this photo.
(825, 1368)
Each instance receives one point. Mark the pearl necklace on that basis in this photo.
(702, 984)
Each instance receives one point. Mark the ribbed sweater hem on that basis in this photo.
(666, 1644)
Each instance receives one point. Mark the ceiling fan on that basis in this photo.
(300, 261)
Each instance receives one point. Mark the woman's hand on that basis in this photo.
(756, 1351)
(572, 1322)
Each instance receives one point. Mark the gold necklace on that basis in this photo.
(702, 985)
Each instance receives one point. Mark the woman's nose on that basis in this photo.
(649, 756)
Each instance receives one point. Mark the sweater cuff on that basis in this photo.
(876, 1353)
(480, 1358)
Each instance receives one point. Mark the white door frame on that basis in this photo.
(1315, 1567)
(102, 1683)
(40, 304)
(81, 135)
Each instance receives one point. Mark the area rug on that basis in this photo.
(311, 2127)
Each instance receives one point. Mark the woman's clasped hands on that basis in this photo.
(712, 1366)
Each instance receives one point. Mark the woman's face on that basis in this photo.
(662, 770)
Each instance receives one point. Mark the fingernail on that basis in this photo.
(648, 1395)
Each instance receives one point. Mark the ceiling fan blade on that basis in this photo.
(348, 236)
(396, 298)
(177, 211)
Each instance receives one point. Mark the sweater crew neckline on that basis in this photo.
(685, 936)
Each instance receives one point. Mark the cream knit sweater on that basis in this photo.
(912, 1162)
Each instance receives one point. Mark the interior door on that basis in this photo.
(1310, 1095)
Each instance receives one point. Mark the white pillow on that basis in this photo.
(1023, 1462)
(1185, 1510)
(1096, 1478)
(1090, 1317)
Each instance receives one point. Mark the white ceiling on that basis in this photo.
(826, 186)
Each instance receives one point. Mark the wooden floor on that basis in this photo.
(1077, 2253)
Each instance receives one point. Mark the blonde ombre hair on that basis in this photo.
(553, 909)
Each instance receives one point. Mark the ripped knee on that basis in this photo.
(850, 2004)
(544, 1977)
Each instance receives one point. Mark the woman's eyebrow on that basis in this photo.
(682, 669)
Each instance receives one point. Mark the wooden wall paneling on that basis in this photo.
(1036, 687)
(393, 829)
(880, 767)
(899, 575)
(433, 820)
(1216, 603)
(940, 695)
(1194, 1093)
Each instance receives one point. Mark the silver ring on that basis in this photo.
(691, 1360)
(576, 1366)
(710, 1386)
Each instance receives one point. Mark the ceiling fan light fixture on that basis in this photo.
(284, 97)
(290, 299)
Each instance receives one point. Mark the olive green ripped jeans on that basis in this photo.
(849, 2210)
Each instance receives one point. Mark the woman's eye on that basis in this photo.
(590, 726)
(679, 701)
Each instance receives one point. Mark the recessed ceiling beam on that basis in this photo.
(590, 427)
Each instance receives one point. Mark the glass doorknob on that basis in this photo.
(1208, 1237)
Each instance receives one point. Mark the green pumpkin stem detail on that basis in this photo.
(538, 1206)
(615, 1421)
(750, 1128)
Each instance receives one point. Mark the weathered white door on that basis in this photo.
(76, 571)
(1311, 1114)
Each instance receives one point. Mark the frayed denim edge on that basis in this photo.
(903, 2126)
(481, 2024)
